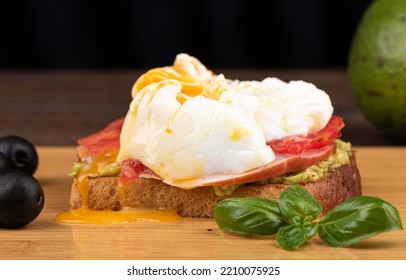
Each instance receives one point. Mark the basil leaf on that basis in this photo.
(357, 219)
(251, 215)
(292, 236)
(299, 206)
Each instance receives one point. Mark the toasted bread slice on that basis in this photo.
(106, 193)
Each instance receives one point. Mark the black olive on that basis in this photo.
(21, 199)
(20, 153)
(3, 163)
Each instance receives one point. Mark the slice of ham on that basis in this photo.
(107, 138)
(282, 164)
(292, 154)
(296, 144)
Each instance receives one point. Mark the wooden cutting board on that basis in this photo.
(383, 172)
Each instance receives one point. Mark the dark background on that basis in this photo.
(80, 34)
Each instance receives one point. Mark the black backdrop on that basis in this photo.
(221, 33)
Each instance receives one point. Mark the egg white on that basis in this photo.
(282, 109)
(198, 138)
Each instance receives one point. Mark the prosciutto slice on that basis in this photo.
(292, 154)
(282, 164)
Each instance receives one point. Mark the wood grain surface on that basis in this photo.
(383, 175)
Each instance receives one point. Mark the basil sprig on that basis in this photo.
(357, 219)
(249, 216)
(293, 218)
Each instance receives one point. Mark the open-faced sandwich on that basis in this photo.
(192, 138)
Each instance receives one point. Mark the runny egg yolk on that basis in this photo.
(85, 215)
(194, 77)
(190, 86)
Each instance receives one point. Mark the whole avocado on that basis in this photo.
(377, 66)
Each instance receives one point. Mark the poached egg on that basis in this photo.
(185, 122)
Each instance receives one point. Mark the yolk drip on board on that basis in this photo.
(85, 215)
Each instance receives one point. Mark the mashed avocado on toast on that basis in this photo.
(313, 173)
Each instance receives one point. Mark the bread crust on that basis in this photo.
(106, 193)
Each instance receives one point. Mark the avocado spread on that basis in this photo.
(311, 174)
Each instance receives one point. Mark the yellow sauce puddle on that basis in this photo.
(88, 216)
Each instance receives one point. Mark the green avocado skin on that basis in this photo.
(377, 66)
